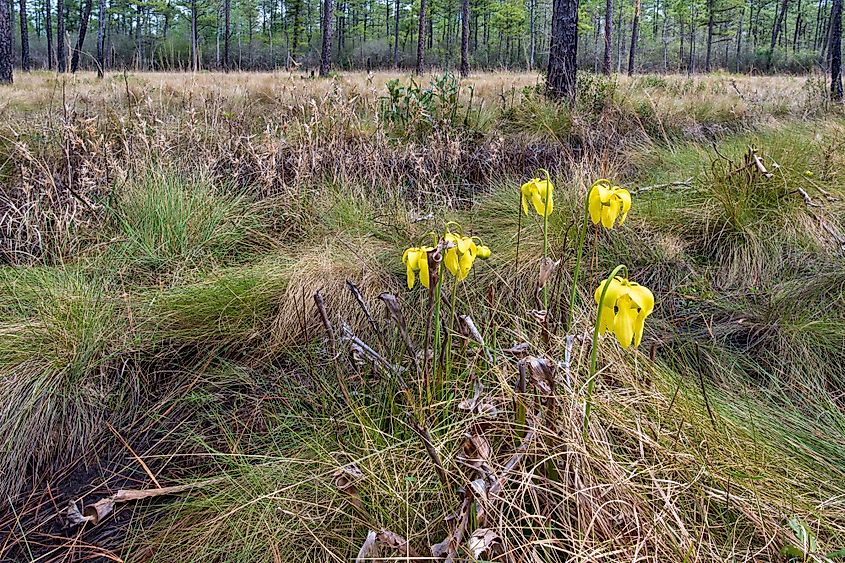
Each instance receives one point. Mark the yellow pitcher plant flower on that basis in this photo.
(623, 310)
(540, 194)
(416, 260)
(608, 203)
(461, 253)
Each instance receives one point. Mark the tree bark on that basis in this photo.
(608, 36)
(227, 32)
(80, 39)
(635, 30)
(738, 60)
(61, 51)
(5, 43)
(194, 51)
(465, 38)
(24, 37)
(396, 34)
(708, 54)
(326, 52)
(563, 50)
(532, 34)
(421, 38)
(48, 23)
(778, 25)
(795, 34)
(836, 50)
(101, 39)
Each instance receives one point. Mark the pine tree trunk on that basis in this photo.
(738, 60)
(421, 38)
(101, 39)
(396, 34)
(464, 38)
(24, 37)
(778, 25)
(61, 52)
(563, 50)
(532, 33)
(227, 32)
(48, 20)
(608, 36)
(681, 49)
(635, 30)
(836, 50)
(194, 54)
(5, 43)
(80, 40)
(708, 54)
(326, 52)
(797, 28)
(619, 46)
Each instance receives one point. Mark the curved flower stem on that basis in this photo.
(582, 236)
(591, 380)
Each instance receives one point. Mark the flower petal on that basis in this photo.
(466, 265)
(639, 324)
(463, 244)
(642, 297)
(544, 187)
(623, 323)
(606, 317)
(614, 291)
(422, 262)
(451, 260)
(538, 203)
(599, 194)
(625, 197)
(610, 212)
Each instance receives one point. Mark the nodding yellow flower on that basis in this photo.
(539, 192)
(484, 252)
(608, 202)
(624, 309)
(416, 260)
(460, 254)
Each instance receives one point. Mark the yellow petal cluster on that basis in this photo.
(624, 309)
(416, 260)
(608, 203)
(539, 193)
(460, 254)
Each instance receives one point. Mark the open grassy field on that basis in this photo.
(202, 296)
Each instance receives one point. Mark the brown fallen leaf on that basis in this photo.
(384, 538)
(485, 541)
(346, 479)
(475, 451)
(95, 513)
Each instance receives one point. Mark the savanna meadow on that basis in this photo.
(269, 298)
